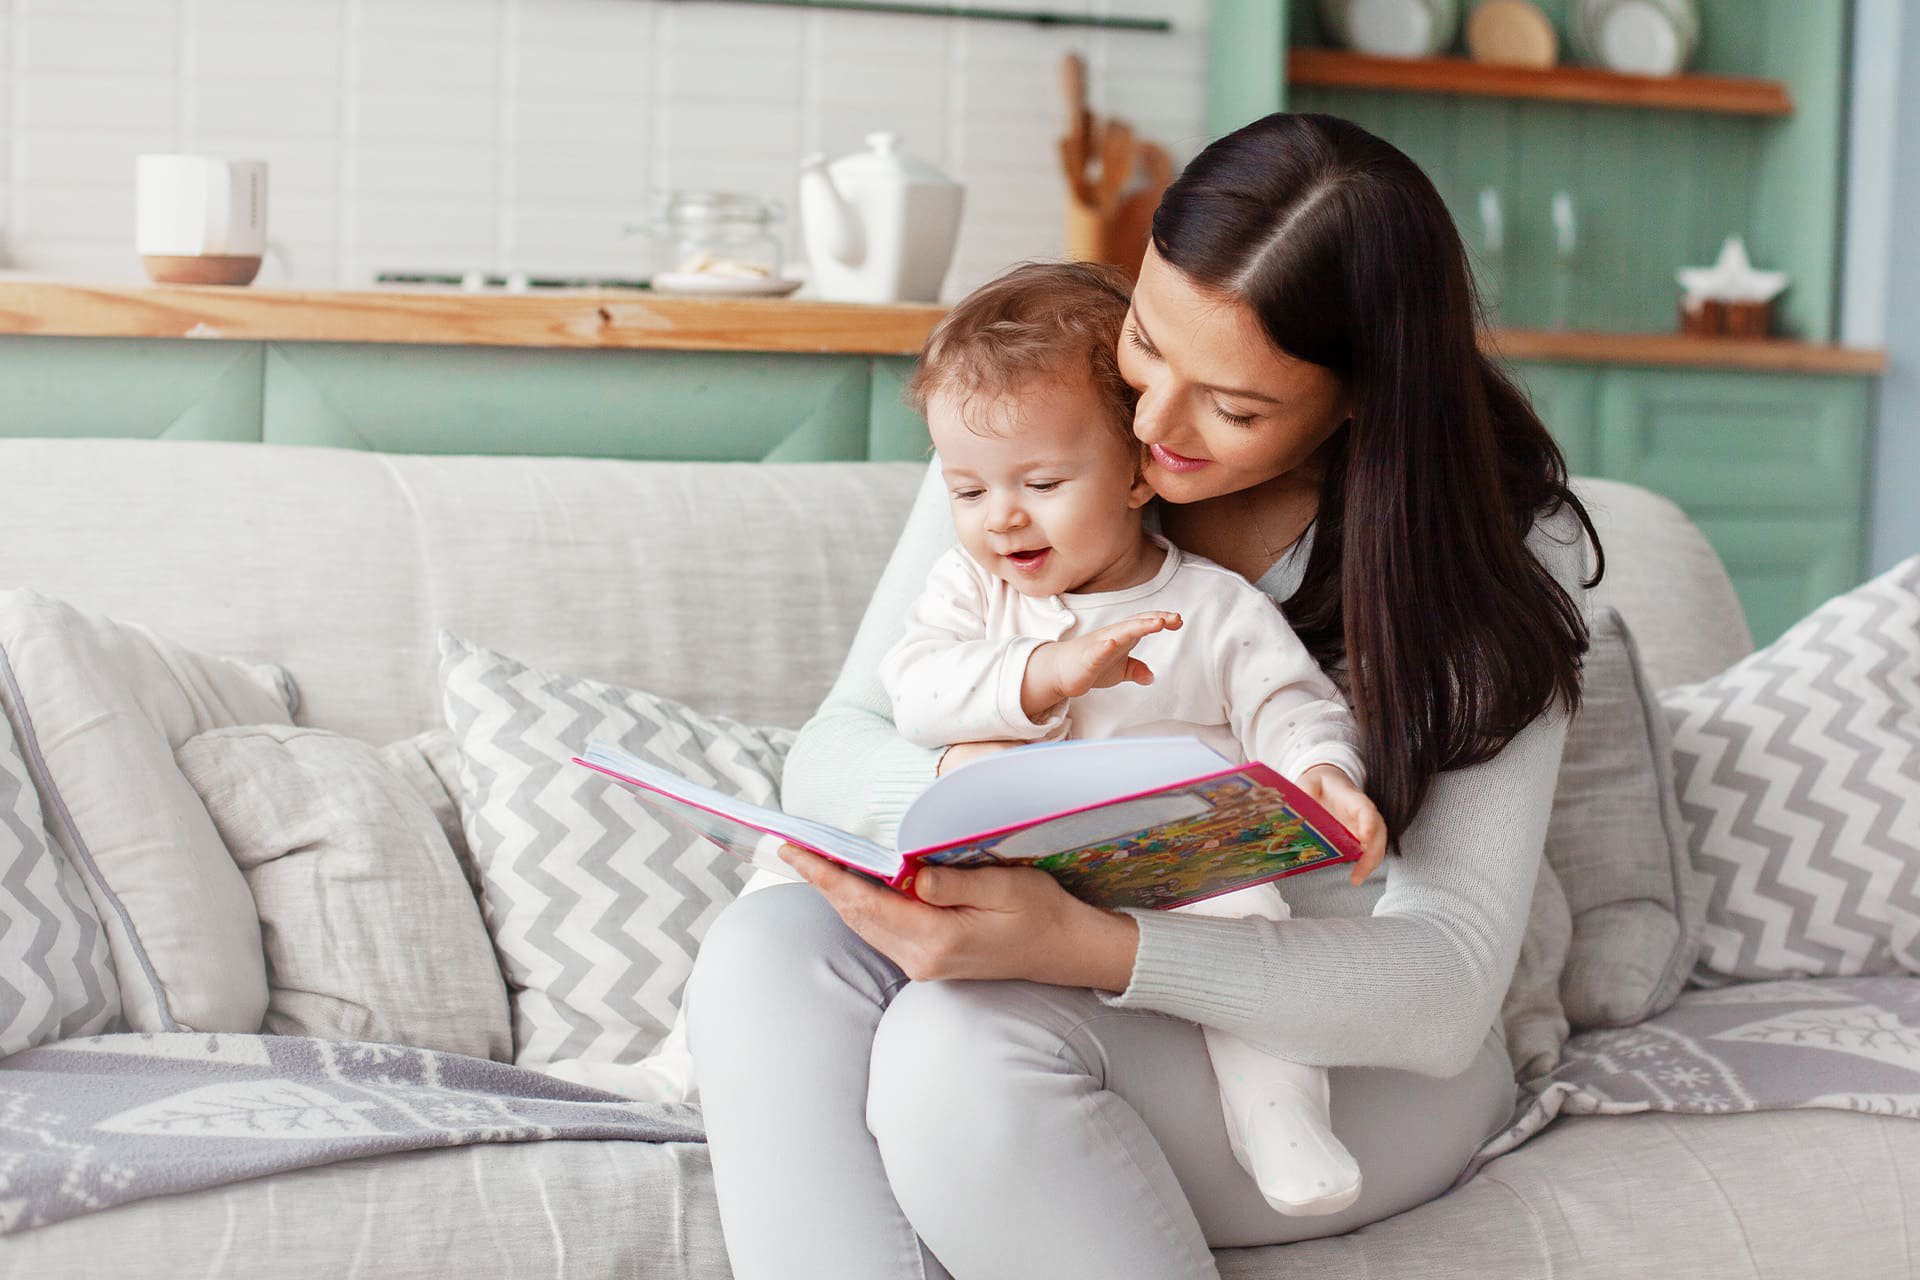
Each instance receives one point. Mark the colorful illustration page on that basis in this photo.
(1166, 849)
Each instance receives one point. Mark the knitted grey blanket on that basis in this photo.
(92, 1123)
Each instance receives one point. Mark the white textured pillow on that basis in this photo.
(1798, 772)
(100, 706)
(371, 932)
(596, 909)
(56, 979)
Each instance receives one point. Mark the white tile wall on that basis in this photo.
(529, 134)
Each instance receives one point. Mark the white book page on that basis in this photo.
(1025, 784)
(736, 825)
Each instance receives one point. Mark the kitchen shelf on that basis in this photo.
(624, 319)
(1678, 350)
(1727, 95)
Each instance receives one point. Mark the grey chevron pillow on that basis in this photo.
(595, 909)
(56, 977)
(1798, 771)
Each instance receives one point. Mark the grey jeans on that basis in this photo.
(865, 1127)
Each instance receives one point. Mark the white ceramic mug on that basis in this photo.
(200, 219)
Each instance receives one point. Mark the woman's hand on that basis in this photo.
(981, 923)
(961, 752)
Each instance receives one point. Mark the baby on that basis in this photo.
(1060, 615)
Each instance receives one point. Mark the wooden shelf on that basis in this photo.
(644, 321)
(1731, 95)
(449, 317)
(1764, 355)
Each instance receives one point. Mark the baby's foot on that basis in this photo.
(1280, 1133)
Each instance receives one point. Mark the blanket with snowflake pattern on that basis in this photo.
(1848, 1044)
(91, 1123)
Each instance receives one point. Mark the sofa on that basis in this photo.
(342, 566)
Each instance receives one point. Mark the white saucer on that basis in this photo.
(724, 286)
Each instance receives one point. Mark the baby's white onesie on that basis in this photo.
(1236, 677)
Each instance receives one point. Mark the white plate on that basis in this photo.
(1636, 37)
(1392, 28)
(724, 286)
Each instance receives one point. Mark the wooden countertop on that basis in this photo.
(638, 320)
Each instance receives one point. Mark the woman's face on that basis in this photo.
(1221, 408)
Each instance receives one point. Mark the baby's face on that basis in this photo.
(1045, 493)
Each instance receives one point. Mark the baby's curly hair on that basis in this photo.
(1029, 323)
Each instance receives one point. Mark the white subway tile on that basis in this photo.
(303, 113)
(419, 60)
(617, 126)
(601, 175)
(396, 115)
(586, 23)
(582, 73)
(288, 17)
(96, 47)
(120, 10)
(56, 213)
(275, 55)
(108, 261)
(463, 172)
(67, 161)
(122, 104)
(456, 17)
(750, 74)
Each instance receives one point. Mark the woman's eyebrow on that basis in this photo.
(1237, 392)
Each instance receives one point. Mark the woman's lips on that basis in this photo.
(1175, 461)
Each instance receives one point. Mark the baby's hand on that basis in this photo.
(1349, 804)
(1062, 669)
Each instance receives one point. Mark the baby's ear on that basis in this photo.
(1141, 493)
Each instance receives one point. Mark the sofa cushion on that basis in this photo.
(56, 978)
(371, 930)
(1799, 783)
(1532, 1014)
(596, 908)
(100, 706)
(1616, 843)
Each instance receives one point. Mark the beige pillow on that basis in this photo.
(99, 706)
(1532, 1016)
(371, 931)
(1617, 845)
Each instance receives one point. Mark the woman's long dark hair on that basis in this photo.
(1452, 635)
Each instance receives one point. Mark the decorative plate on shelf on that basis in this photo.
(1511, 33)
(1392, 28)
(1636, 37)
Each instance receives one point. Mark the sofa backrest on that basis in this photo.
(735, 587)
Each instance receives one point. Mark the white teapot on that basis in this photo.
(878, 226)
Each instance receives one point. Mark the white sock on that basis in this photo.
(1278, 1126)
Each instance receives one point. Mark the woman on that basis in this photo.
(1320, 420)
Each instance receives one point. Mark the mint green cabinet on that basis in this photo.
(1772, 467)
(149, 390)
(1563, 395)
(681, 406)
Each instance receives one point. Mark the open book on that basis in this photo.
(1120, 822)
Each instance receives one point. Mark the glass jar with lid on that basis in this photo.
(717, 233)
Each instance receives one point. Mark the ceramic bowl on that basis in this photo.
(1636, 37)
(1392, 28)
